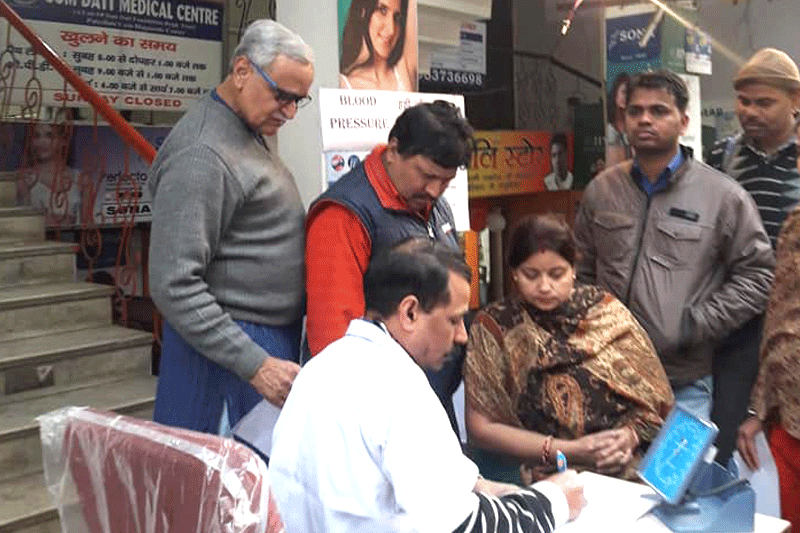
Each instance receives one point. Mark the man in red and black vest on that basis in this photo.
(395, 193)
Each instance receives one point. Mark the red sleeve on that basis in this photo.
(337, 254)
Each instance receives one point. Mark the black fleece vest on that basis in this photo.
(388, 226)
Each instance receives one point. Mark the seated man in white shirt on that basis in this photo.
(362, 443)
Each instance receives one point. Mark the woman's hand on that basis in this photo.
(746, 441)
(608, 451)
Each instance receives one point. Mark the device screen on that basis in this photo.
(676, 453)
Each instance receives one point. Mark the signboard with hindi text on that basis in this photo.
(137, 54)
(513, 162)
(355, 121)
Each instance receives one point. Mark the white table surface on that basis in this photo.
(623, 506)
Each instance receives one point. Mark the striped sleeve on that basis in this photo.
(525, 511)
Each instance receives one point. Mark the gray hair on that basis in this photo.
(264, 40)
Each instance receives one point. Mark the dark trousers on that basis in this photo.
(735, 368)
(193, 389)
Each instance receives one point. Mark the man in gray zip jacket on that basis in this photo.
(681, 244)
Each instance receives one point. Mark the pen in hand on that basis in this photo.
(561, 461)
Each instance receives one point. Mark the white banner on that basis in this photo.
(354, 121)
(155, 55)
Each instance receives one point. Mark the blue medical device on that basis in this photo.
(698, 496)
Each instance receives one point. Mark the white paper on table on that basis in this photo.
(764, 480)
(611, 504)
(256, 426)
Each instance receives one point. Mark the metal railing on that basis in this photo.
(67, 184)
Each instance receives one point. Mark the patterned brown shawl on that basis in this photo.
(777, 390)
(582, 368)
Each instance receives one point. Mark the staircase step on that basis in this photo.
(26, 506)
(8, 189)
(20, 446)
(37, 262)
(69, 344)
(72, 357)
(33, 310)
(22, 222)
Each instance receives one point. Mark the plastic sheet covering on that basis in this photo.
(116, 474)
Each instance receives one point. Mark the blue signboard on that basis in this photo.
(181, 18)
(623, 50)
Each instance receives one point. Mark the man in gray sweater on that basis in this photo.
(227, 253)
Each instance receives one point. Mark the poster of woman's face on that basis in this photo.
(47, 180)
(378, 44)
(617, 147)
(77, 173)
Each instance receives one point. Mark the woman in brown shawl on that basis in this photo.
(560, 366)
(775, 398)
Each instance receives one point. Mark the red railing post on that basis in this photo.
(115, 120)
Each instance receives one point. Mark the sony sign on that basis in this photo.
(623, 36)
